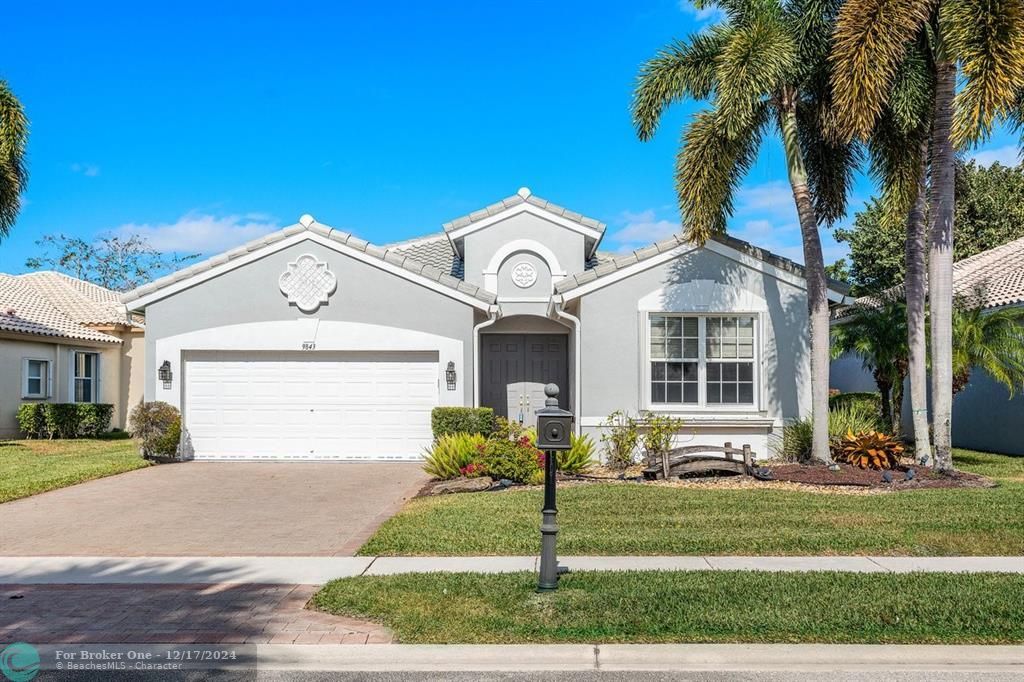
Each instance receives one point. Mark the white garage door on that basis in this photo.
(310, 405)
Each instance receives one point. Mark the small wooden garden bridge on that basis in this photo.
(699, 459)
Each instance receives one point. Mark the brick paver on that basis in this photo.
(174, 614)
(218, 509)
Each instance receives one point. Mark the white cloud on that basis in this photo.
(773, 198)
(1006, 156)
(89, 170)
(709, 14)
(641, 229)
(203, 233)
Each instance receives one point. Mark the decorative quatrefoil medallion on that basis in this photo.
(524, 275)
(307, 283)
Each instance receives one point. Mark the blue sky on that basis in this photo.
(203, 126)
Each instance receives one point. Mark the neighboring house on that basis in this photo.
(984, 415)
(313, 344)
(64, 340)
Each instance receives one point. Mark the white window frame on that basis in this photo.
(702, 404)
(46, 380)
(73, 376)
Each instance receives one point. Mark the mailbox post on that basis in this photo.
(554, 429)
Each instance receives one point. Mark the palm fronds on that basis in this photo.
(13, 171)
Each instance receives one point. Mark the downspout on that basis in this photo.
(494, 312)
(577, 380)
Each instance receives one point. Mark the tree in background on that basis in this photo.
(989, 340)
(876, 332)
(115, 263)
(13, 171)
(764, 68)
(989, 213)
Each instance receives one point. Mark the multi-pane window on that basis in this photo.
(85, 377)
(36, 378)
(675, 354)
(695, 359)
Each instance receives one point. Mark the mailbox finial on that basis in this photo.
(551, 391)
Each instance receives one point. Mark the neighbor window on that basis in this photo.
(697, 360)
(85, 377)
(37, 378)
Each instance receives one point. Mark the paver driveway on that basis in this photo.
(212, 509)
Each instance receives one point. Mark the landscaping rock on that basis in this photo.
(462, 485)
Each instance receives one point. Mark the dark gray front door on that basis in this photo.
(515, 368)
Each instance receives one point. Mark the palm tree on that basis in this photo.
(13, 172)
(986, 39)
(764, 67)
(876, 332)
(992, 341)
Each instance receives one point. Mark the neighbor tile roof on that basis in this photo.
(524, 195)
(989, 279)
(396, 255)
(54, 304)
(605, 264)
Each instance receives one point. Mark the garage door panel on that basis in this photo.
(311, 406)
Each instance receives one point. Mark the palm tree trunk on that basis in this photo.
(940, 264)
(916, 286)
(897, 406)
(814, 272)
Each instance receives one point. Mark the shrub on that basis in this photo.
(31, 420)
(658, 434)
(154, 425)
(579, 457)
(872, 401)
(63, 420)
(447, 420)
(516, 460)
(620, 438)
(94, 418)
(855, 416)
(873, 450)
(452, 453)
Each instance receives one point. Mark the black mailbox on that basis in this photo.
(554, 425)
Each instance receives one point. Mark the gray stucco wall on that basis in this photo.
(984, 416)
(480, 246)
(365, 294)
(611, 350)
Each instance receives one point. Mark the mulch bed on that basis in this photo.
(923, 478)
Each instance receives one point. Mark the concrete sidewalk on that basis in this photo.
(318, 570)
(821, 658)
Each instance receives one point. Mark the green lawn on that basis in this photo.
(446, 608)
(614, 519)
(28, 467)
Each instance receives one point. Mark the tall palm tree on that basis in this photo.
(992, 341)
(13, 171)
(876, 332)
(985, 38)
(763, 68)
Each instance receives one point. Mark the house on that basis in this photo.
(313, 344)
(65, 340)
(984, 414)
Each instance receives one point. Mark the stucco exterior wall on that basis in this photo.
(613, 344)
(370, 305)
(15, 349)
(133, 376)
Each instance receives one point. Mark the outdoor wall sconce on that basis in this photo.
(449, 376)
(164, 373)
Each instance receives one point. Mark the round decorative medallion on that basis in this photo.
(524, 275)
(307, 283)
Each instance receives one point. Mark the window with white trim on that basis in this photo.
(36, 378)
(85, 377)
(702, 360)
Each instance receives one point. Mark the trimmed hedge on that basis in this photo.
(872, 401)
(447, 420)
(64, 420)
(157, 427)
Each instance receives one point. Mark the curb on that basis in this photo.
(644, 657)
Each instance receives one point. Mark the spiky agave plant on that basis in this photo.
(870, 450)
(763, 69)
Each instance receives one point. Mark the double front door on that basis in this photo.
(515, 369)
